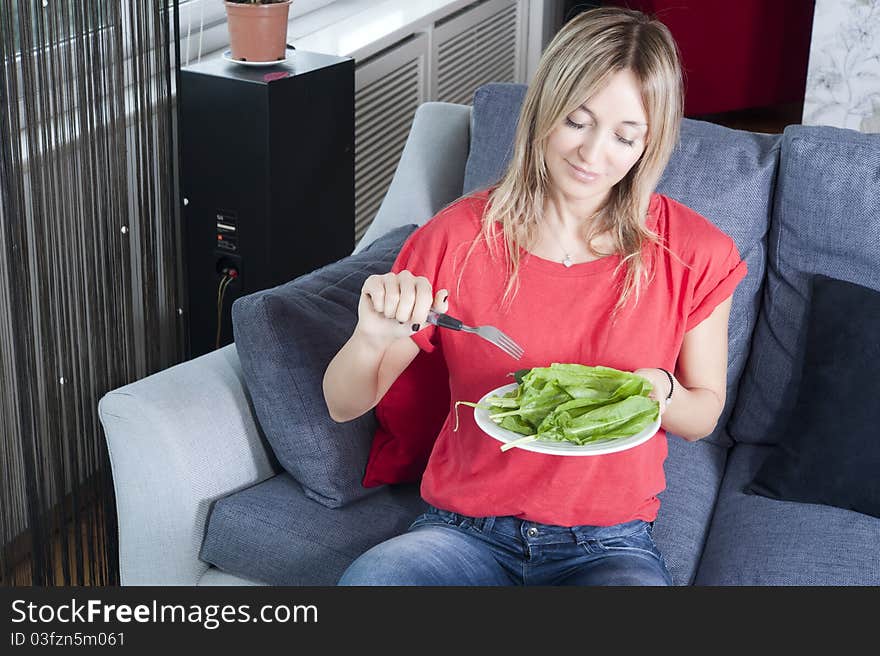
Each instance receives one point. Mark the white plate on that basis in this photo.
(599, 447)
(228, 57)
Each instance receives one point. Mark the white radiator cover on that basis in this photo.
(477, 47)
(446, 61)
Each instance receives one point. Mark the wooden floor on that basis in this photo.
(22, 573)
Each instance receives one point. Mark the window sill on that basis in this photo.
(360, 28)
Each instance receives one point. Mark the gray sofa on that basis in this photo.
(205, 497)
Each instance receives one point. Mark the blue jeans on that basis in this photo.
(445, 548)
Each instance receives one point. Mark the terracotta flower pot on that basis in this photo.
(258, 33)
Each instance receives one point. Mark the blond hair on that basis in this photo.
(579, 61)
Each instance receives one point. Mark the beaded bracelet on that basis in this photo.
(671, 383)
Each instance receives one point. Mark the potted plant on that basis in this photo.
(258, 29)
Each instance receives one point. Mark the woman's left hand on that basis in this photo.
(659, 382)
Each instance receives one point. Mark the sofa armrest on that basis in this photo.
(430, 173)
(178, 440)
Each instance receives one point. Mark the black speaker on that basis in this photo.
(267, 179)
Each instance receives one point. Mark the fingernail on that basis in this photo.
(416, 327)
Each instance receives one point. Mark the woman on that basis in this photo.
(575, 257)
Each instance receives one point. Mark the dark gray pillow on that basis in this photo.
(285, 338)
(829, 453)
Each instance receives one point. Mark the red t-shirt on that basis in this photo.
(559, 315)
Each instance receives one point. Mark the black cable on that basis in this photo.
(221, 292)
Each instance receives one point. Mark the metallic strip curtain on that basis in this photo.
(90, 267)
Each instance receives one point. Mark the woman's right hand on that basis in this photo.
(395, 305)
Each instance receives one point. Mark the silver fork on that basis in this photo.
(489, 333)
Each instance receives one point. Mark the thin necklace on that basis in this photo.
(567, 259)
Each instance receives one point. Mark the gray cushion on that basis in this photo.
(286, 337)
(693, 477)
(826, 220)
(493, 126)
(272, 533)
(725, 175)
(754, 540)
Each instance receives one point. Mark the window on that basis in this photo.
(53, 21)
